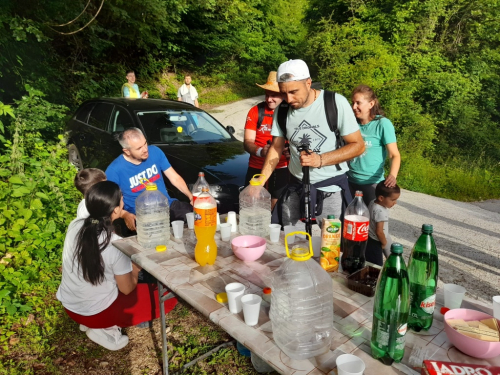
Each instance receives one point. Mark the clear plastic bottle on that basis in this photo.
(302, 304)
(255, 209)
(198, 186)
(205, 225)
(152, 217)
(355, 234)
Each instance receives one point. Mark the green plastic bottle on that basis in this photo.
(390, 309)
(423, 270)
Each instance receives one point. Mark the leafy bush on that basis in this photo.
(37, 201)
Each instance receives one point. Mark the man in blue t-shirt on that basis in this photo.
(140, 161)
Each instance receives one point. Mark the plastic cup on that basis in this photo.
(496, 307)
(218, 222)
(349, 364)
(234, 293)
(225, 231)
(231, 219)
(289, 229)
(178, 228)
(190, 220)
(251, 308)
(453, 296)
(274, 232)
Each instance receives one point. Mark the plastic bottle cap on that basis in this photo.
(444, 310)
(150, 186)
(201, 174)
(161, 248)
(397, 248)
(427, 228)
(221, 297)
(255, 181)
(266, 290)
(330, 217)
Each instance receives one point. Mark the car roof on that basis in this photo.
(147, 104)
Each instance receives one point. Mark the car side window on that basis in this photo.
(99, 116)
(83, 113)
(120, 120)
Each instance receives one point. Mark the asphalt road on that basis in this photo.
(467, 235)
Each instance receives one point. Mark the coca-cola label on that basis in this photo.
(428, 304)
(356, 228)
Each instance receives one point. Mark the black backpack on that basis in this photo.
(261, 107)
(331, 118)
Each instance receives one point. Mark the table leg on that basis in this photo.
(161, 300)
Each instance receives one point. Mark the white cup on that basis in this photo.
(349, 364)
(178, 228)
(190, 220)
(453, 296)
(274, 232)
(234, 293)
(231, 219)
(496, 307)
(218, 222)
(289, 229)
(316, 244)
(251, 308)
(225, 231)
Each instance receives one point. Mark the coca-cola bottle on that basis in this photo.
(199, 185)
(423, 271)
(390, 309)
(355, 234)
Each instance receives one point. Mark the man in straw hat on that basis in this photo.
(312, 144)
(258, 139)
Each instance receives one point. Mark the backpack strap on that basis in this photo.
(282, 113)
(261, 108)
(332, 118)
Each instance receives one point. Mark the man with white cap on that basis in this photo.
(258, 139)
(306, 122)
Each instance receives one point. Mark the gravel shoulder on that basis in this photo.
(467, 234)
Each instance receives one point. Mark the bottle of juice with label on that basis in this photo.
(331, 237)
(205, 225)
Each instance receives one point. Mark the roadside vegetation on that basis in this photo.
(435, 65)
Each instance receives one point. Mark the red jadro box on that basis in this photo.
(452, 368)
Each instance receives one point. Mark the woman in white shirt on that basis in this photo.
(99, 286)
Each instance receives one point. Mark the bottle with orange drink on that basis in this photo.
(331, 237)
(205, 225)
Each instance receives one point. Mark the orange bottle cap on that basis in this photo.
(266, 290)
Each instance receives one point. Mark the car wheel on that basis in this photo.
(74, 157)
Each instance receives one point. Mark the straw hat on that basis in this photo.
(271, 83)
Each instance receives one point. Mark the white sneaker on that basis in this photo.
(110, 338)
(83, 328)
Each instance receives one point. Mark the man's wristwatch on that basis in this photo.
(258, 152)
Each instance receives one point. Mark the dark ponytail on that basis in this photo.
(94, 236)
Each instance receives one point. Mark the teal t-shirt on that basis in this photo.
(309, 125)
(368, 168)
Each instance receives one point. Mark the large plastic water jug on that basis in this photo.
(302, 304)
(152, 217)
(255, 209)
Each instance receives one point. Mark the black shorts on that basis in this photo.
(275, 184)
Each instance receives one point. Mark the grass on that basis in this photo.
(457, 178)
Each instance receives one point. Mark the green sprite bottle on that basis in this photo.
(423, 271)
(390, 309)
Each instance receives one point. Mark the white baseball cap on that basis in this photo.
(296, 68)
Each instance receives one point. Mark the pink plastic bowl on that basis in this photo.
(248, 248)
(473, 347)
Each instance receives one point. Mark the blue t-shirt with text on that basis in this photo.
(128, 176)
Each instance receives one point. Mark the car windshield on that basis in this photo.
(181, 126)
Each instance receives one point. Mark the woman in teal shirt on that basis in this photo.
(380, 140)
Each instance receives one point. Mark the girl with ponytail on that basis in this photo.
(99, 286)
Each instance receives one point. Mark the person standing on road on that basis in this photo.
(140, 161)
(130, 88)
(367, 170)
(258, 139)
(307, 125)
(187, 93)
